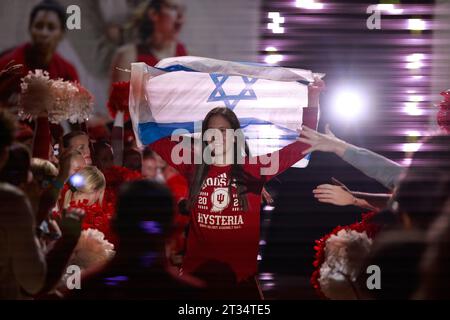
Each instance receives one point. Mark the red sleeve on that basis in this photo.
(42, 138)
(164, 148)
(284, 158)
(72, 73)
(179, 187)
(181, 50)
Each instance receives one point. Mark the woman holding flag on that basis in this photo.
(225, 198)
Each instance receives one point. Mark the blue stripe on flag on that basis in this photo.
(150, 132)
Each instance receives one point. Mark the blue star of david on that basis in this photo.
(231, 101)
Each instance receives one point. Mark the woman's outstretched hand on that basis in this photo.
(336, 195)
(325, 142)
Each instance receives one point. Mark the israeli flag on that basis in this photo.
(270, 102)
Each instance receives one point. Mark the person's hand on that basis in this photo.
(266, 196)
(325, 142)
(314, 91)
(10, 74)
(71, 222)
(10, 70)
(337, 195)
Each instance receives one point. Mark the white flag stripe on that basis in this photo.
(268, 101)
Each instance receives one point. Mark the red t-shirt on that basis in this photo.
(57, 68)
(220, 229)
(145, 56)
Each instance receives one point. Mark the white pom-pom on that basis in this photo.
(35, 96)
(344, 256)
(63, 100)
(92, 250)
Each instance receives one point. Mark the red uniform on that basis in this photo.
(220, 229)
(57, 68)
(144, 55)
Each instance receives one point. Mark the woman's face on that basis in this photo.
(91, 198)
(220, 142)
(170, 19)
(46, 31)
(81, 143)
(76, 164)
(149, 168)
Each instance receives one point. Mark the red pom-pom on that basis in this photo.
(115, 177)
(118, 99)
(443, 115)
(446, 95)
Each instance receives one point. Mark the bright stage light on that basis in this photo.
(77, 180)
(416, 24)
(309, 4)
(411, 147)
(416, 98)
(413, 133)
(349, 104)
(272, 56)
(277, 20)
(389, 8)
(412, 109)
(415, 60)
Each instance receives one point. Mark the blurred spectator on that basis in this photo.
(159, 23)
(398, 255)
(423, 190)
(436, 260)
(22, 262)
(149, 164)
(103, 156)
(47, 24)
(132, 159)
(140, 269)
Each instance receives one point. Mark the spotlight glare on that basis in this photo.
(309, 4)
(348, 104)
(414, 65)
(413, 133)
(277, 20)
(416, 98)
(416, 24)
(76, 180)
(272, 57)
(411, 147)
(389, 8)
(412, 109)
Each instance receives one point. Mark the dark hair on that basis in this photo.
(436, 260)
(66, 138)
(148, 154)
(49, 5)
(145, 25)
(18, 165)
(422, 192)
(129, 153)
(7, 129)
(237, 171)
(398, 255)
(141, 202)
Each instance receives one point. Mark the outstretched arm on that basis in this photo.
(270, 165)
(375, 166)
(117, 138)
(340, 196)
